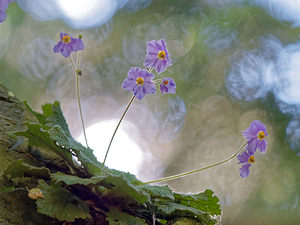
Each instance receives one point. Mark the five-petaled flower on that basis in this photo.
(168, 86)
(68, 44)
(140, 82)
(157, 56)
(3, 6)
(246, 158)
(255, 134)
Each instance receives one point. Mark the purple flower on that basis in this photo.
(168, 86)
(68, 44)
(157, 56)
(246, 159)
(139, 81)
(3, 6)
(255, 134)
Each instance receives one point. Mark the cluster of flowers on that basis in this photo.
(3, 6)
(255, 135)
(140, 81)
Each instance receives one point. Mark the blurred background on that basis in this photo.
(234, 61)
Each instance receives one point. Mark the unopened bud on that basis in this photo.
(80, 36)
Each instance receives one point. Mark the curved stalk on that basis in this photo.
(75, 69)
(197, 170)
(112, 138)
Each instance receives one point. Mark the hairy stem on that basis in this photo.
(198, 170)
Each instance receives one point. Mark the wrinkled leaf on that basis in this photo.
(71, 180)
(158, 191)
(116, 217)
(61, 204)
(172, 210)
(43, 138)
(204, 201)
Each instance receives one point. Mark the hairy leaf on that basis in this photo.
(61, 204)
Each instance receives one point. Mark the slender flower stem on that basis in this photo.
(112, 138)
(117, 127)
(197, 170)
(78, 94)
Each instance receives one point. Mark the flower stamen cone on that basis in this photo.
(66, 39)
(162, 54)
(251, 159)
(139, 81)
(261, 135)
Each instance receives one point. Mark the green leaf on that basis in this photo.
(202, 201)
(54, 116)
(41, 118)
(71, 180)
(116, 217)
(84, 155)
(158, 191)
(121, 187)
(43, 138)
(19, 169)
(171, 210)
(61, 204)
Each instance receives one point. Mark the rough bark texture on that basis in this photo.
(15, 207)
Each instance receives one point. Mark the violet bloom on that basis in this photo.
(139, 81)
(157, 56)
(3, 6)
(68, 44)
(246, 158)
(168, 86)
(255, 134)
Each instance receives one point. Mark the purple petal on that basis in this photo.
(77, 44)
(58, 47)
(133, 73)
(162, 44)
(161, 66)
(163, 89)
(262, 146)
(149, 87)
(129, 84)
(244, 171)
(252, 146)
(139, 92)
(150, 60)
(152, 47)
(66, 50)
(243, 157)
(3, 5)
(3, 16)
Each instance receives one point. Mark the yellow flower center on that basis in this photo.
(166, 82)
(139, 81)
(251, 159)
(261, 135)
(66, 39)
(161, 54)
